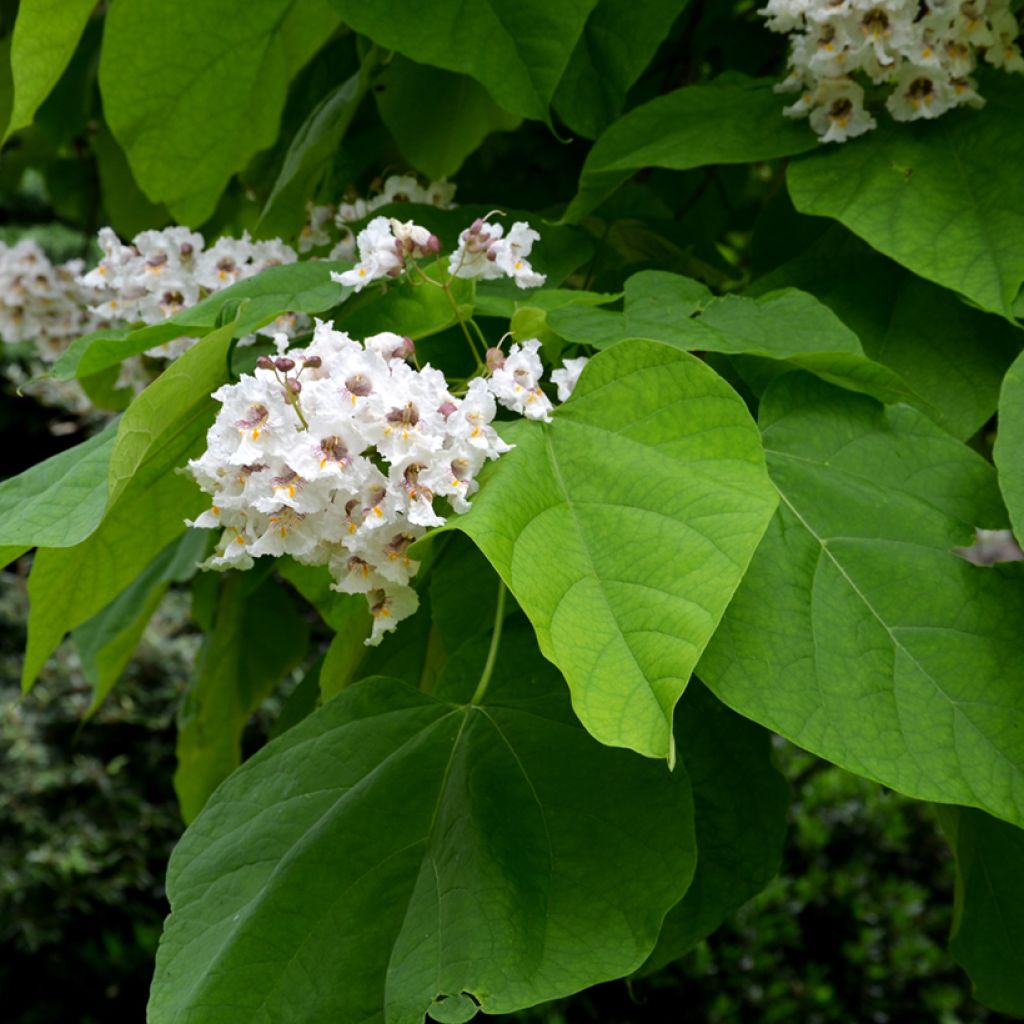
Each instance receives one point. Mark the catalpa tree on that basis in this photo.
(572, 395)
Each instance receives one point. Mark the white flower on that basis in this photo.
(920, 93)
(516, 383)
(511, 255)
(839, 112)
(484, 251)
(567, 376)
(314, 233)
(379, 256)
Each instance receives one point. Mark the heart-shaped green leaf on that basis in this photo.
(396, 853)
(623, 529)
(857, 632)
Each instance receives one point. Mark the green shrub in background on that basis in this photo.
(87, 821)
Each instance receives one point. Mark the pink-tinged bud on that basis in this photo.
(433, 244)
(405, 350)
(186, 249)
(447, 408)
(293, 385)
(313, 362)
(284, 364)
(477, 226)
(491, 254)
(495, 359)
(265, 363)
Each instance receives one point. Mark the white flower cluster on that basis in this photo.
(398, 188)
(386, 245)
(335, 454)
(925, 49)
(41, 301)
(483, 252)
(161, 272)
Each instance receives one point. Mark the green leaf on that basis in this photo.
(46, 33)
(623, 528)
(658, 305)
(258, 636)
(516, 49)
(304, 287)
(125, 206)
(434, 854)
(67, 586)
(107, 641)
(618, 42)
(988, 925)
(1009, 446)
(944, 198)
(11, 553)
(59, 502)
(720, 123)
(952, 355)
(788, 326)
(314, 146)
(166, 420)
(414, 310)
(436, 136)
(856, 632)
(213, 98)
(528, 316)
(740, 804)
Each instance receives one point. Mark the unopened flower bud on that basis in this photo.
(284, 364)
(432, 245)
(265, 363)
(313, 362)
(406, 350)
(495, 359)
(292, 385)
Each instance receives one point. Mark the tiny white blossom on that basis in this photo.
(567, 376)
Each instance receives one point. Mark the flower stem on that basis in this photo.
(492, 653)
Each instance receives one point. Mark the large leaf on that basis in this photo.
(304, 287)
(46, 33)
(517, 49)
(988, 925)
(67, 586)
(952, 355)
(720, 123)
(108, 640)
(165, 421)
(1009, 447)
(258, 635)
(618, 42)
(790, 327)
(312, 149)
(856, 632)
(125, 206)
(740, 802)
(624, 527)
(943, 198)
(213, 98)
(59, 502)
(436, 117)
(418, 854)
